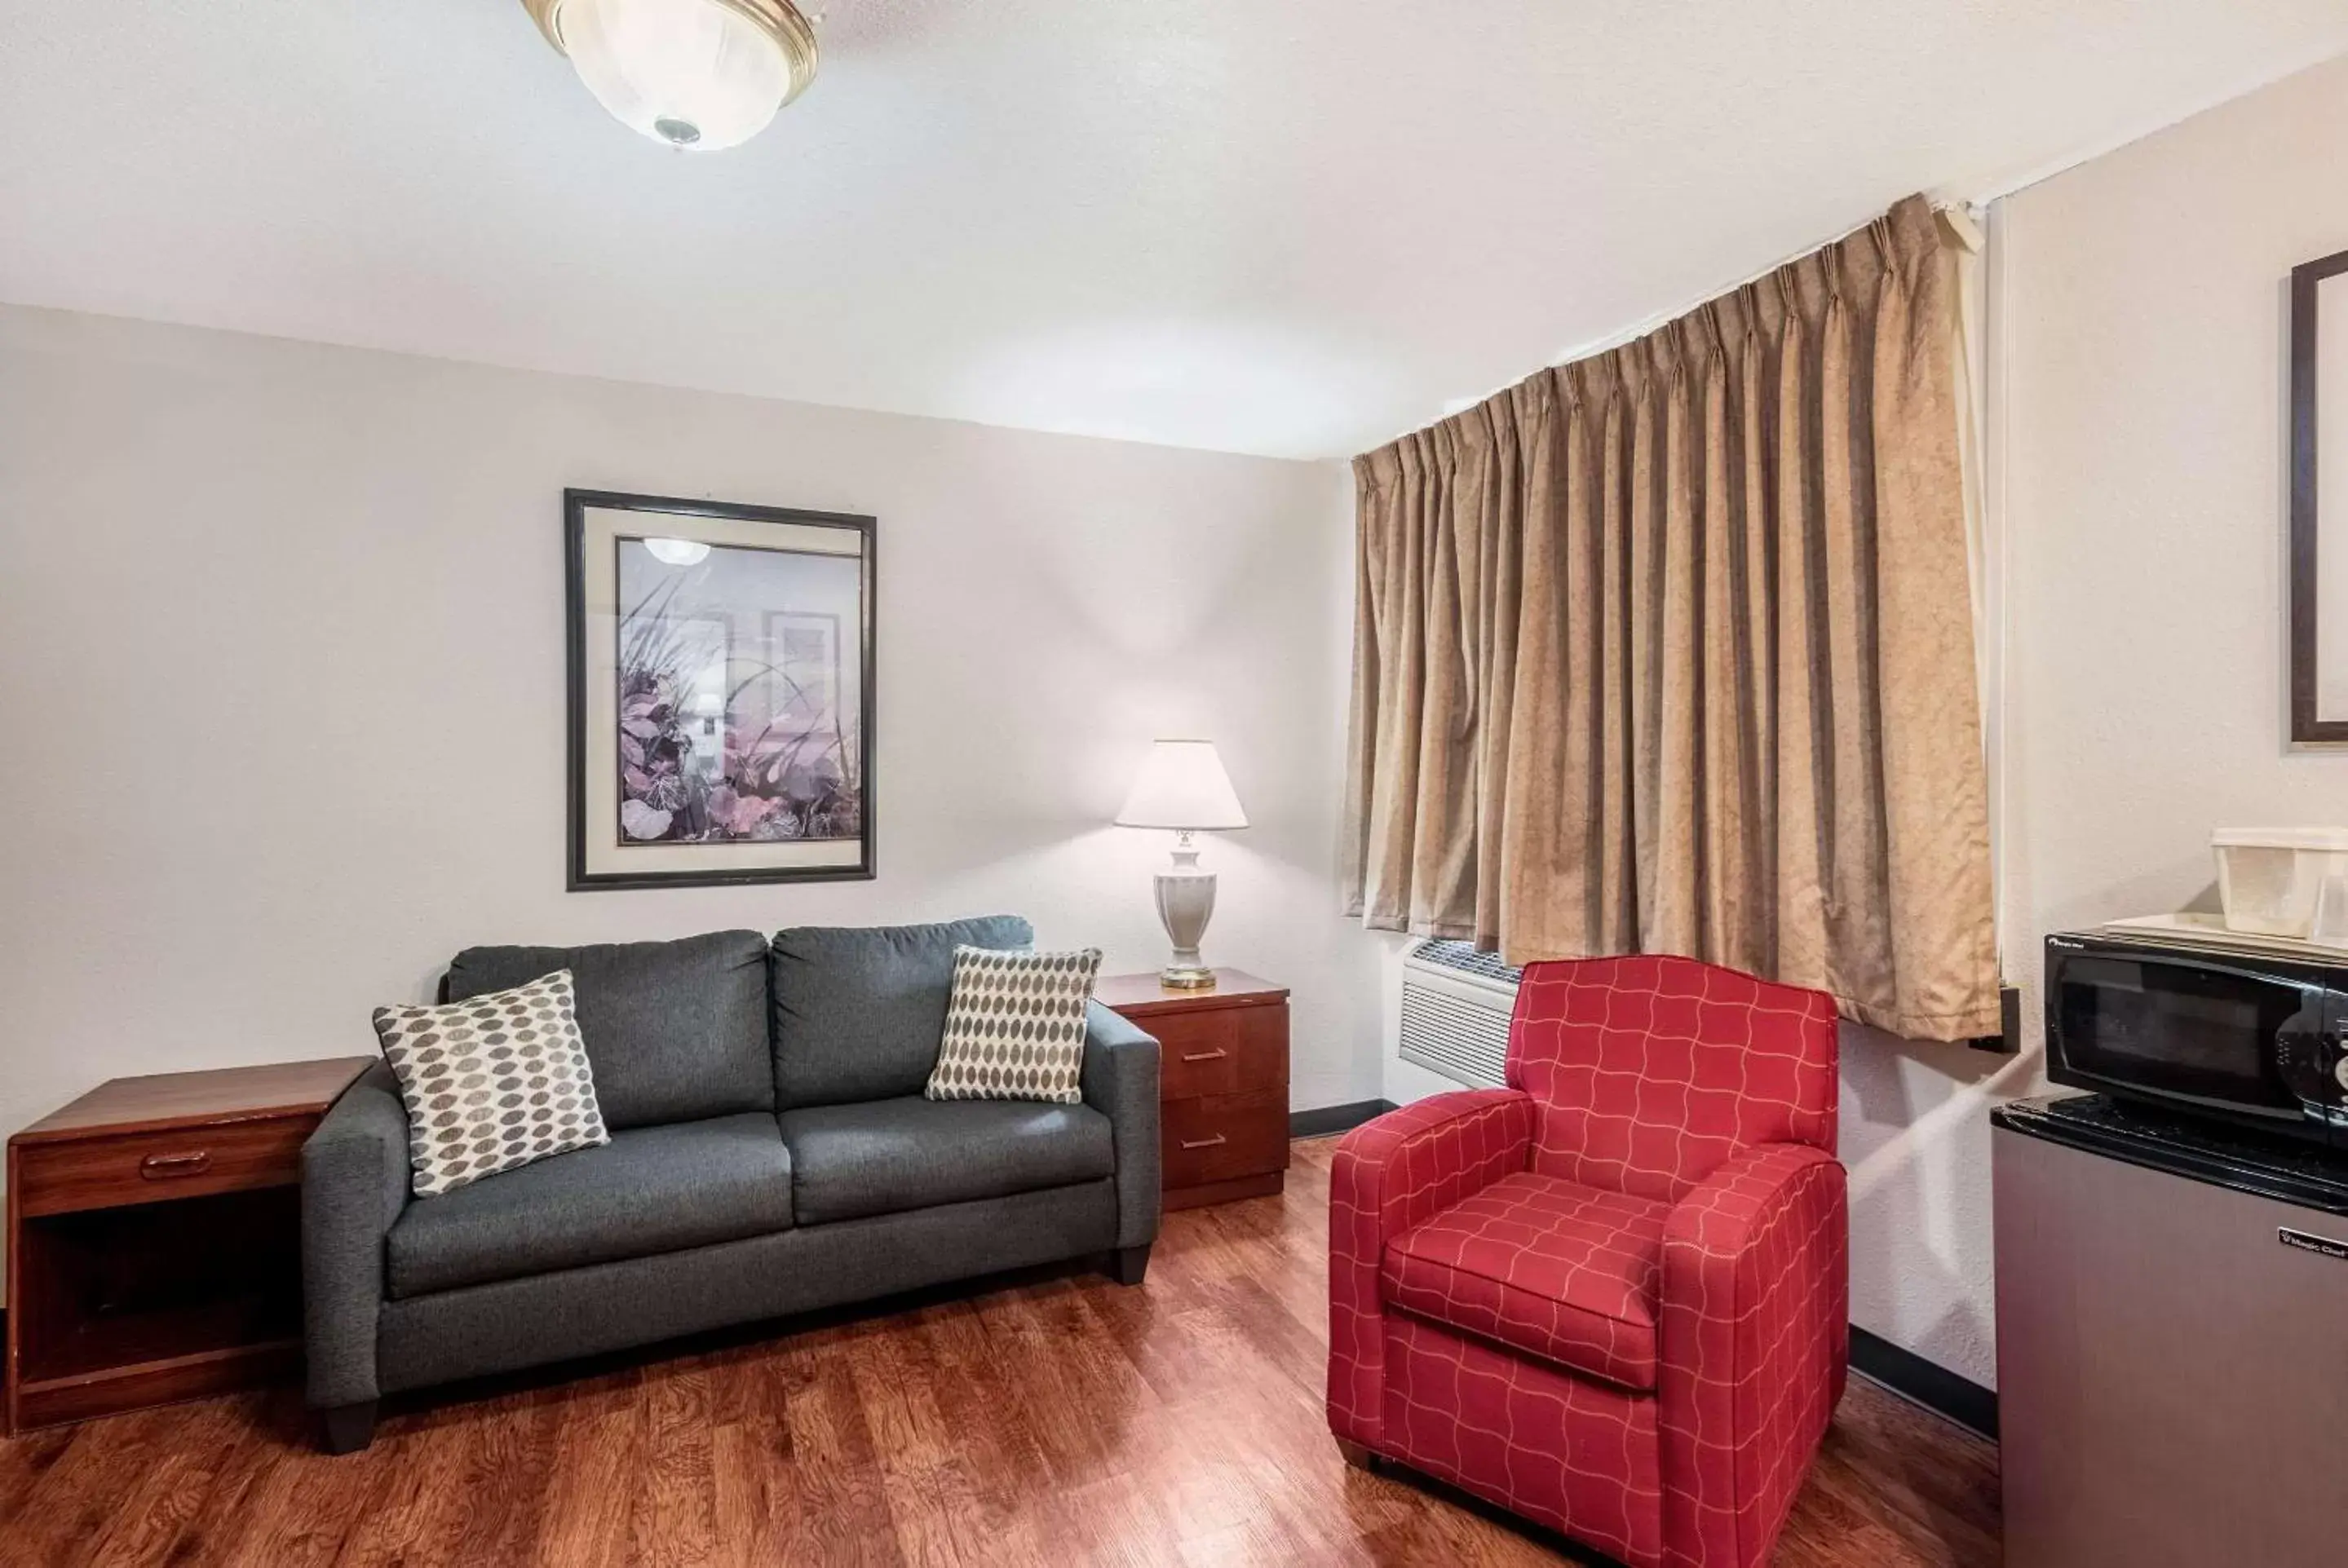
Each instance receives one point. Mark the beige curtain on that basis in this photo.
(1671, 650)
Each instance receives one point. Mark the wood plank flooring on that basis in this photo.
(1055, 1419)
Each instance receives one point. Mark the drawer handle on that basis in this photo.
(1204, 1055)
(1204, 1143)
(163, 1167)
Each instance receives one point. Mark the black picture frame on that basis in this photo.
(2307, 726)
(576, 505)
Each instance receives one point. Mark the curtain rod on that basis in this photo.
(1958, 225)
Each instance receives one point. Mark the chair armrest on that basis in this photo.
(1754, 1338)
(1388, 1175)
(354, 1184)
(1120, 1080)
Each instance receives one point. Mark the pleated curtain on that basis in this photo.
(1671, 650)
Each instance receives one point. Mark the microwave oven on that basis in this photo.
(2254, 1037)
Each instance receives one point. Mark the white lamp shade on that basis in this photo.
(1183, 785)
(690, 72)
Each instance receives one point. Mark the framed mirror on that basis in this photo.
(2319, 516)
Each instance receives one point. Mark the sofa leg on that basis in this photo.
(349, 1427)
(1128, 1264)
(1357, 1456)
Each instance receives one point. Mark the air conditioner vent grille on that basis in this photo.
(1467, 958)
(1464, 1040)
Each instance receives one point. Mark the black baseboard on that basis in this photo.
(1335, 1118)
(1926, 1383)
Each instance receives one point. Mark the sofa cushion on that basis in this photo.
(1545, 1266)
(649, 1190)
(885, 1156)
(858, 1011)
(676, 1032)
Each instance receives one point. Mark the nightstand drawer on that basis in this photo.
(1222, 1136)
(1222, 1050)
(109, 1171)
(1222, 1081)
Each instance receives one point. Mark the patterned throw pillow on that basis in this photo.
(491, 1083)
(1015, 1026)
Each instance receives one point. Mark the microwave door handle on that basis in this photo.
(2314, 1019)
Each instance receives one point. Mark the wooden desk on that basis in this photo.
(1222, 1081)
(154, 1239)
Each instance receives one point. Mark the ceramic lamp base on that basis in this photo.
(1186, 901)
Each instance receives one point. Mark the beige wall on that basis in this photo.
(2140, 430)
(281, 681)
(2146, 396)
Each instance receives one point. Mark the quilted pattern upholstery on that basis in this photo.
(1666, 1144)
(1562, 1450)
(1650, 1071)
(1565, 1273)
(1757, 1325)
(1388, 1175)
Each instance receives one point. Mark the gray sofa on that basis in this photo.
(771, 1152)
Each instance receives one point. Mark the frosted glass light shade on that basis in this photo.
(677, 552)
(1182, 784)
(697, 73)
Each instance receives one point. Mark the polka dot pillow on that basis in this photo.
(1015, 1026)
(491, 1083)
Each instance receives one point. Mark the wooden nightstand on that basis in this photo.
(1222, 1081)
(155, 1241)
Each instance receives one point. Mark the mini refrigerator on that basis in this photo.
(2172, 1341)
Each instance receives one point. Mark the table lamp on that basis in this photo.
(1183, 786)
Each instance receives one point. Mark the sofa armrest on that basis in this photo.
(354, 1184)
(1755, 1337)
(1120, 1081)
(1388, 1175)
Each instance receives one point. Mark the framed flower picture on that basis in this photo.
(721, 688)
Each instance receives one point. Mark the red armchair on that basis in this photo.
(1611, 1297)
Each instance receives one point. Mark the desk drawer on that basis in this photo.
(1222, 1136)
(1221, 1051)
(107, 1172)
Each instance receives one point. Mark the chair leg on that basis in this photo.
(1128, 1264)
(349, 1427)
(1357, 1456)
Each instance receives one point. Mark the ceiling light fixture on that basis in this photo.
(696, 73)
(677, 552)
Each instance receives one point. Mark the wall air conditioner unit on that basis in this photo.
(1456, 1003)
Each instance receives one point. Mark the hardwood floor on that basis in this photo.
(1059, 1419)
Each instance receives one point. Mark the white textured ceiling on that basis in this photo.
(1284, 226)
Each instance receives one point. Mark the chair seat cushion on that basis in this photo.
(1545, 1266)
(885, 1156)
(649, 1190)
